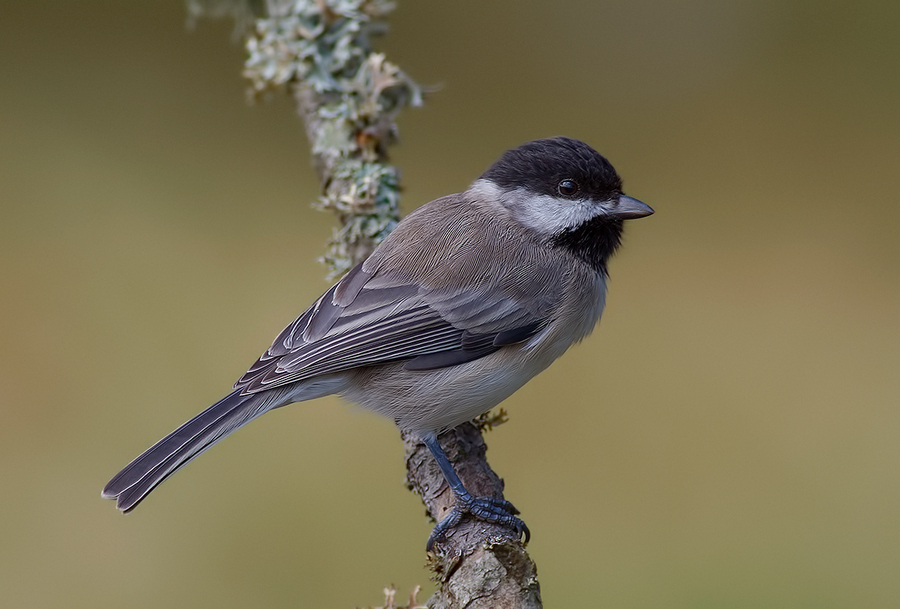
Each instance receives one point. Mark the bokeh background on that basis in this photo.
(729, 437)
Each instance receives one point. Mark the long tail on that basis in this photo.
(164, 458)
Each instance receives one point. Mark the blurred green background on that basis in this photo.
(727, 438)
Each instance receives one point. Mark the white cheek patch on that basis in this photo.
(548, 214)
(542, 213)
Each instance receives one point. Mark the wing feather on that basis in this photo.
(374, 316)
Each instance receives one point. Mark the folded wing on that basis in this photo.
(368, 319)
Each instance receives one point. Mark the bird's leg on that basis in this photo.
(487, 509)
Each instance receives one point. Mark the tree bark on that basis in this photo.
(478, 565)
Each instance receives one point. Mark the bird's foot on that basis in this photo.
(486, 509)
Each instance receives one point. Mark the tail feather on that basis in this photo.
(168, 455)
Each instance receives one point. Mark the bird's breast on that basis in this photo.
(577, 315)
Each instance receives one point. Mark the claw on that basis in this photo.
(486, 509)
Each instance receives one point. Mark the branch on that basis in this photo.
(348, 97)
(479, 565)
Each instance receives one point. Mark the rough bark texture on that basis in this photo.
(478, 565)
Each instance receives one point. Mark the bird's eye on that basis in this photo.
(567, 188)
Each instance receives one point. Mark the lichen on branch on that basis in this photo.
(349, 97)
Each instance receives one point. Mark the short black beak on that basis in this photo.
(629, 208)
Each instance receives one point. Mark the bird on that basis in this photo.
(467, 299)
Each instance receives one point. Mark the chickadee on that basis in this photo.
(467, 299)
